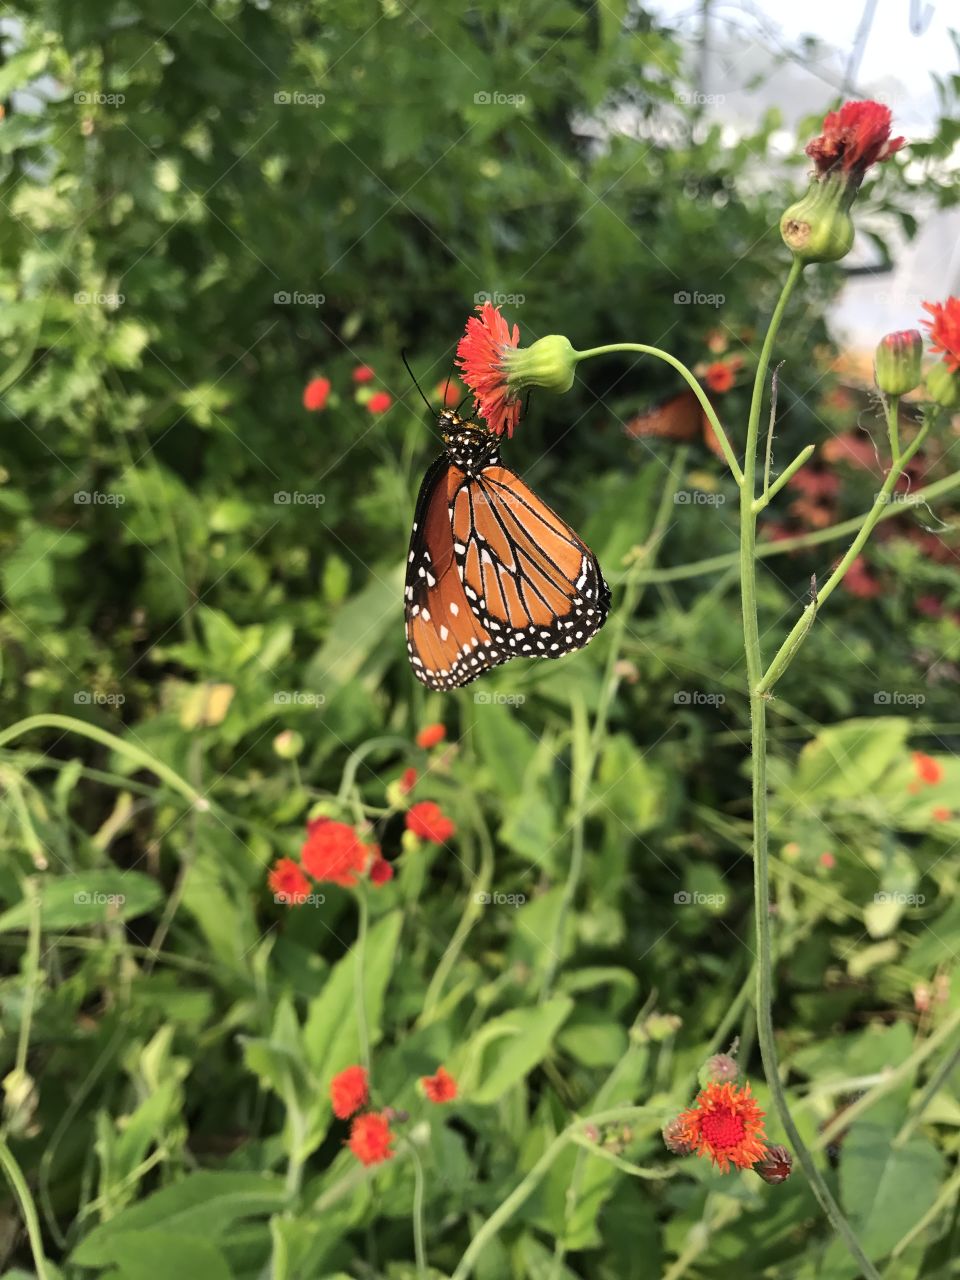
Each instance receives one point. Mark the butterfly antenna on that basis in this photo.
(406, 362)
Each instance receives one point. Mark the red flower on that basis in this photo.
(315, 393)
(719, 376)
(859, 581)
(363, 373)
(440, 1087)
(288, 882)
(928, 770)
(349, 1092)
(333, 851)
(945, 330)
(854, 138)
(449, 393)
(480, 354)
(815, 484)
(408, 780)
(370, 1138)
(726, 1125)
(430, 735)
(380, 402)
(941, 813)
(428, 821)
(380, 871)
(827, 860)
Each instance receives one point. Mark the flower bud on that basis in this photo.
(721, 1068)
(675, 1137)
(818, 228)
(943, 387)
(897, 362)
(776, 1166)
(550, 362)
(288, 744)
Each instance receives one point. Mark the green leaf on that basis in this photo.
(509, 1047)
(87, 899)
(158, 1255)
(885, 1188)
(850, 758)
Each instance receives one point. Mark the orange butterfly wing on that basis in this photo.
(679, 418)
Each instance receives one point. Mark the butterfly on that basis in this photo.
(680, 417)
(493, 573)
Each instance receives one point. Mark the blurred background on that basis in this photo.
(221, 223)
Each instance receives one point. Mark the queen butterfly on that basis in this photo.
(493, 573)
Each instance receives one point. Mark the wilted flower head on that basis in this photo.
(853, 138)
(776, 1165)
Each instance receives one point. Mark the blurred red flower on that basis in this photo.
(380, 402)
(315, 393)
(428, 821)
(928, 770)
(333, 851)
(430, 735)
(408, 780)
(440, 1087)
(363, 373)
(945, 330)
(349, 1092)
(854, 138)
(859, 581)
(450, 393)
(941, 813)
(288, 882)
(719, 376)
(380, 871)
(370, 1138)
(480, 354)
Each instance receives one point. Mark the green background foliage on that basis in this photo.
(166, 180)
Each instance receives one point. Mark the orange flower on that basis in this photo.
(940, 813)
(349, 1092)
(827, 860)
(430, 735)
(481, 355)
(315, 393)
(726, 1125)
(428, 821)
(370, 1138)
(853, 138)
(333, 851)
(928, 770)
(719, 376)
(945, 330)
(288, 882)
(440, 1087)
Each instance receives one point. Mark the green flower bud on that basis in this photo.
(550, 362)
(943, 387)
(897, 362)
(818, 228)
(288, 744)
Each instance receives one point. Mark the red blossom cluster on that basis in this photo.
(332, 853)
(317, 392)
(371, 1139)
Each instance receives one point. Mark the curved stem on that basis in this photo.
(758, 729)
(20, 1189)
(691, 380)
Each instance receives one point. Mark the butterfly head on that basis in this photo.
(468, 445)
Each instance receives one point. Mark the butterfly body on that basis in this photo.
(492, 573)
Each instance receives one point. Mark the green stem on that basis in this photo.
(785, 654)
(359, 973)
(31, 975)
(419, 1247)
(771, 490)
(758, 733)
(20, 1189)
(892, 408)
(691, 380)
(529, 1183)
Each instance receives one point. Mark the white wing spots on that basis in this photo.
(444, 632)
(454, 608)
